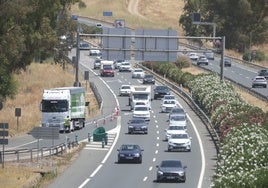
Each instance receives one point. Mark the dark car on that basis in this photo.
(148, 79)
(263, 72)
(161, 91)
(227, 62)
(130, 153)
(171, 170)
(137, 125)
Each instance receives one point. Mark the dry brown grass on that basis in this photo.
(31, 83)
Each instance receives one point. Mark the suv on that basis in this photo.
(202, 60)
(97, 63)
(227, 62)
(161, 91)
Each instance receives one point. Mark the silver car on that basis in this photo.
(259, 81)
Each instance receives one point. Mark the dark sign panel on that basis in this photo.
(3, 133)
(3, 141)
(3, 125)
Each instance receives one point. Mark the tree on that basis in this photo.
(28, 29)
(236, 20)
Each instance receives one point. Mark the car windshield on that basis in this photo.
(140, 96)
(177, 118)
(169, 102)
(177, 110)
(137, 121)
(169, 97)
(141, 108)
(162, 88)
(148, 76)
(137, 70)
(179, 136)
(171, 164)
(125, 87)
(176, 128)
(129, 147)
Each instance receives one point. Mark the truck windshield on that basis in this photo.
(140, 96)
(54, 106)
(107, 67)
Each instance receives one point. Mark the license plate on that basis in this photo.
(170, 177)
(129, 157)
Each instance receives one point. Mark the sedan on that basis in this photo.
(202, 60)
(130, 152)
(138, 73)
(171, 170)
(259, 81)
(167, 105)
(124, 90)
(174, 129)
(137, 125)
(160, 91)
(141, 111)
(193, 56)
(178, 111)
(148, 79)
(178, 119)
(179, 141)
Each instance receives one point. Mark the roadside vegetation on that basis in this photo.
(243, 128)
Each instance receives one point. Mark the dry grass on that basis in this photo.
(31, 83)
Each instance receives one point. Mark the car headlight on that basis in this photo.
(143, 127)
(130, 126)
(121, 155)
(181, 173)
(160, 172)
(137, 154)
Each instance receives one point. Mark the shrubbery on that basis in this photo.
(242, 159)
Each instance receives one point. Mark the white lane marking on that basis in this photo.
(154, 159)
(157, 132)
(157, 145)
(84, 183)
(145, 178)
(95, 171)
(157, 126)
(201, 177)
(157, 138)
(156, 151)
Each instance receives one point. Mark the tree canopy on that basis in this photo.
(242, 22)
(29, 29)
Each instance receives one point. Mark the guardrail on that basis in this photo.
(190, 101)
(35, 153)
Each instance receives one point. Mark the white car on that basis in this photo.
(259, 81)
(124, 90)
(179, 141)
(94, 52)
(138, 73)
(178, 119)
(169, 97)
(167, 105)
(174, 129)
(125, 66)
(141, 111)
(193, 56)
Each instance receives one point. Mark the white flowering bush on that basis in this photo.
(242, 155)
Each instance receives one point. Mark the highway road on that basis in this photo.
(97, 167)
(238, 73)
